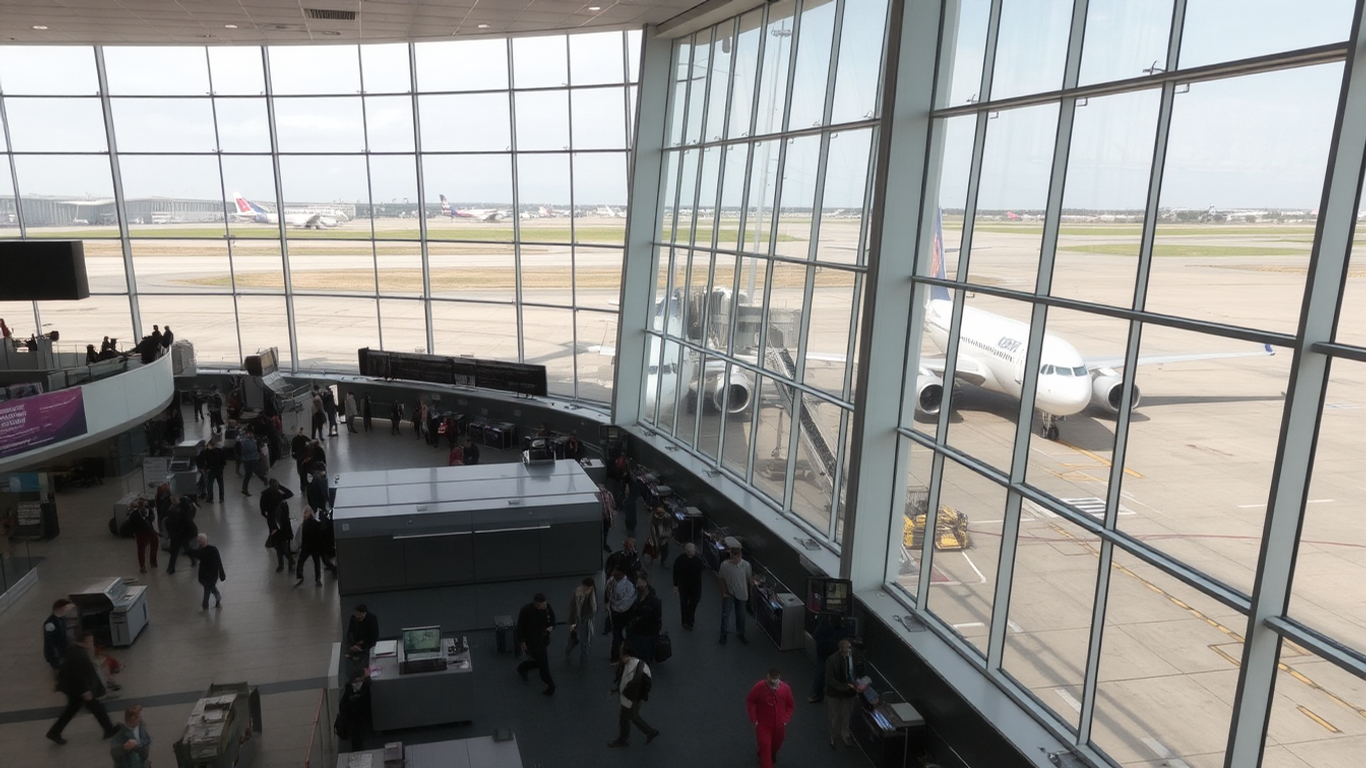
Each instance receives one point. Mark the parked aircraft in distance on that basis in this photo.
(610, 212)
(992, 351)
(301, 218)
(479, 214)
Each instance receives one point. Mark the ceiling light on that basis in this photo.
(229, 26)
(40, 26)
(331, 32)
(595, 7)
(481, 26)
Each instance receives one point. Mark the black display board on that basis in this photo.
(461, 371)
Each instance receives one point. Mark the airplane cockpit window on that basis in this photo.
(1079, 371)
(1046, 370)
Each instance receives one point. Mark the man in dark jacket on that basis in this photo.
(647, 619)
(77, 678)
(353, 713)
(534, 625)
(688, 571)
(841, 688)
(312, 544)
(627, 558)
(54, 633)
(215, 460)
(362, 632)
(181, 529)
(471, 452)
(210, 572)
(330, 410)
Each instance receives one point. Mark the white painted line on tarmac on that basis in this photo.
(974, 569)
(1172, 761)
(1016, 628)
(969, 624)
(1069, 698)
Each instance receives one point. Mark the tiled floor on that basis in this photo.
(278, 636)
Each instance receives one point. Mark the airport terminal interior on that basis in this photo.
(1039, 323)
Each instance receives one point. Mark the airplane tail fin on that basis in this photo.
(242, 205)
(445, 205)
(938, 292)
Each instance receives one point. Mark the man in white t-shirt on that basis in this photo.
(735, 577)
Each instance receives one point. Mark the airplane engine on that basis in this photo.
(1107, 389)
(929, 393)
(739, 392)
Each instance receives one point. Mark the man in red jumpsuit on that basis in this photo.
(770, 708)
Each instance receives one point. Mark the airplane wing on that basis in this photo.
(967, 370)
(1118, 362)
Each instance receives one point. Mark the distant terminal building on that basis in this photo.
(59, 211)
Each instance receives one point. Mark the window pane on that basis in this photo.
(771, 436)
(156, 71)
(800, 166)
(990, 432)
(812, 65)
(1244, 144)
(389, 123)
(87, 321)
(1016, 166)
(633, 43)
(599, 118)
(597, 276)
(258, 268)
(55, 125)
(264, 324)
(736, 431)
(472, 123)
(908, 563)
(856, 78)
(543, 187)
(310, 69)
(1031, 48)
(964, 582)
(182, 267)
(393, 197)
(1224, 30)
(253, 179)
(322, 193)
(595, 370)
(330, 329)
(600, 188)
(173, 196)
(48, 71)
(237, 71)
(1164, 669)
(817, 451)
(473, 271)
(759, 214)
(479, 190)
(463, 65)
(61, 191)
(1307, 703)
(773, 68)
(547, 339)
(967, 52)
(718, 97)
(1125, 37)
(163, 125)
(833, 301)
(399, 271)
(384, 68)
(242, 125)
(697, 87)
(539, 62)
(846, 177)
(733, 195)
(477, 330)
(745, 75)
(542, 120)
(320, 125)
(595, 57)
(207, 322)
(403, 326)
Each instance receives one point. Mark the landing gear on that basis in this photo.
(1049, 428)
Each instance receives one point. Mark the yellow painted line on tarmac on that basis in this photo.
(1227, 656)
(1098, 457)
(1317, 719)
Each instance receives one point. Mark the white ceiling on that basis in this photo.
(282, 22)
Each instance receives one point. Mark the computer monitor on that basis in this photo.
(421, 643)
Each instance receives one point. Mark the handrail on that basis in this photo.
(314, 734)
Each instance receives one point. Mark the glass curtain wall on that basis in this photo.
(760, 257)
(460, 198)
(1133, 202)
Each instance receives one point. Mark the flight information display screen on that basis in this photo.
(459, 371)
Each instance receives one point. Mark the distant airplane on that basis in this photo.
(298, 218)
(481, 214)
(992, 351)
(609, 212)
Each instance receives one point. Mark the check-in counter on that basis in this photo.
(480, 752)
(419, 699)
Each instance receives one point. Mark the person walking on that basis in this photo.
(350, 415)
(283, 533)
(270, 501)
(583, 607)
(131, 746)
(142, 518)
(353, 713)
(534, 625)
(319, 418)
(366, 411)
(770, 705)
(688, 569)
(621, 596)
(251, 461)
(647, 620)
(419, 416)
(395, 416)
(662, 525)
(78, 680)
(330, 410)
(735, 577)
(210, 572)
(632, 685)
(55, 641)
(841, 689)
(181, 529)
(311, 545)
(215, 461)
(197, 399)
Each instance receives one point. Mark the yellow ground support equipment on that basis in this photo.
(950, 530)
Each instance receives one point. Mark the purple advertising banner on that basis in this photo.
(33, 422)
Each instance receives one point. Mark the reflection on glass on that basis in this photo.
(1223, 30)
(236, 72)
(856, 74)
(163, 125)
(540, 62)
(319, 125)
(1016, 166)
(1167, 671)
(547, 339)
(48, 70)
(165, 71)
(542, 120)
(811, 69)
(963, 582)
(1107, 189)
(1049, 629)
(1126, 37)
(299, 69)
(599, 118)
(596, 58)
(1238, 148)
(1031, 48)
(384, 68)
(462, 65)
(465, 123)
(55, 125)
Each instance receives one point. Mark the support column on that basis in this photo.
(642, 224)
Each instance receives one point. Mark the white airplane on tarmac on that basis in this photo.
(992, 351)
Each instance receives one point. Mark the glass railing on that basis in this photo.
(15, 563)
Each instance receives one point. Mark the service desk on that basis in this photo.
(482, 752)
(885, 737)
(421, 698)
